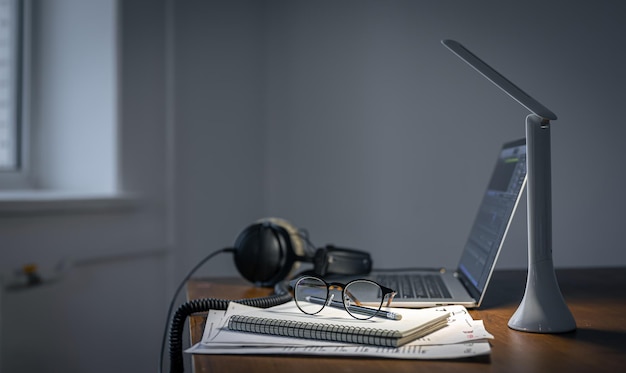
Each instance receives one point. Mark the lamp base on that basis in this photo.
(543, 309)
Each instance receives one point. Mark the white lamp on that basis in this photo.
(543, 309)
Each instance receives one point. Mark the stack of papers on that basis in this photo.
(462, 337)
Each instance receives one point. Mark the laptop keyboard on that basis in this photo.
(411, 286)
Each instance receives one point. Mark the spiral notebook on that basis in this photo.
(462, 337)
(337, 325)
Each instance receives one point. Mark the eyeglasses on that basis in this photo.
(363, 299)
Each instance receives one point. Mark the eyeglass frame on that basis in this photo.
(371, 312)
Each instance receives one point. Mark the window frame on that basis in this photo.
(47, 182)
(20, 177)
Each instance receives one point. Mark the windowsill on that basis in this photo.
(20, 202)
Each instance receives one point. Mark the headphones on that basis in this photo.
(269, 250)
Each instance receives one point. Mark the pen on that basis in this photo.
(357, 309)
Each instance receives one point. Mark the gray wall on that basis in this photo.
(220, 129)
(373, 135)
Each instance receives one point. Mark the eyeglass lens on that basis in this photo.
(313, 294)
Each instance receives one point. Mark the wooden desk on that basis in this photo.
(596, 297)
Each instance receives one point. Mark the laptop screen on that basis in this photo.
(494, 217)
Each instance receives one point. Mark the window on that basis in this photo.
(10, 77)
(62, 135)
(62, 139)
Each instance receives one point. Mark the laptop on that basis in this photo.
(466, 285)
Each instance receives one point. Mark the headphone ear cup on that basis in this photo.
(264, 253)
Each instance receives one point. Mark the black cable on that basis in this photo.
(171, 307)
(201, 305)
(177, 323)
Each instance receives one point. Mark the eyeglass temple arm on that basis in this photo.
(341, 287)
(356, 309)
(392, 293)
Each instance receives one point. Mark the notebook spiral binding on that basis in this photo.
(310, 330)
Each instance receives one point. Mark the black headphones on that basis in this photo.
(267, 251)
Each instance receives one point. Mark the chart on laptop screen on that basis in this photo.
(494, 215)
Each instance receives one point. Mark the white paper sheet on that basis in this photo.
(463, 337)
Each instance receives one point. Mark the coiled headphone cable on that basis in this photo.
(281, 295)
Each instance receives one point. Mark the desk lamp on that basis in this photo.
(542, 309)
